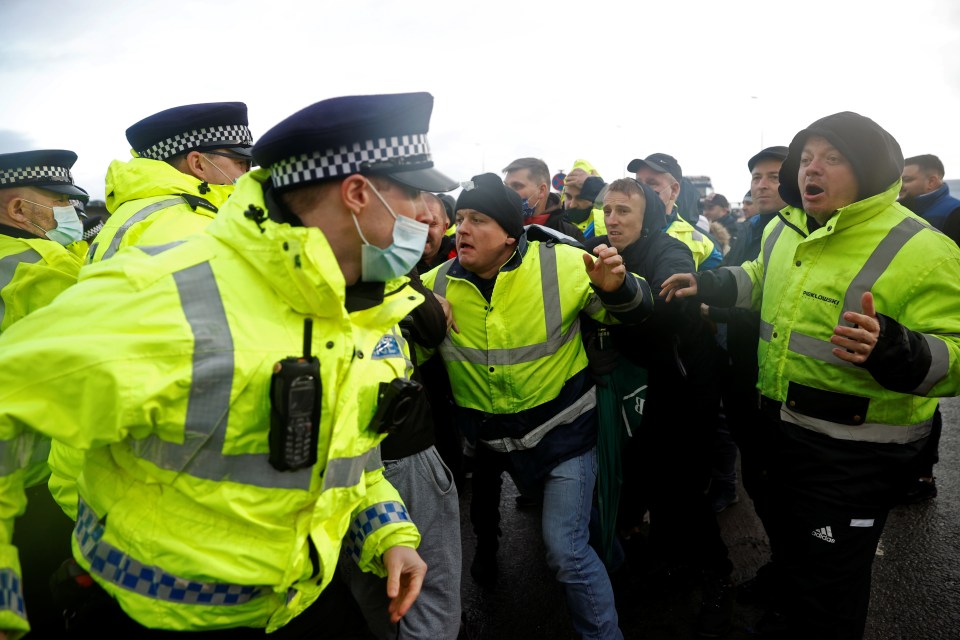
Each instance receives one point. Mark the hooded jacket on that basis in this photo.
(674, 344)
(808, 275)
(152, 203)
(165, 386)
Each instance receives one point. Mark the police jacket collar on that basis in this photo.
(14, 232)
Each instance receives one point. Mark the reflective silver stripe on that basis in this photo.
(766, 331)
(8, 268)
(593, 306)
(160, 248)
(374, 460)
(939, 364)
(347, 472)
(440, 282)
(877, 263)
(503, 357)
(550, 289)
(134, 219)
(634, 302)
(697, 236)
(585, 403)
(116, 567)
(817, 349)
(553, 319)
(867, 432)
(769, 244)
(11, 593)
(208, 408)
(744, 287)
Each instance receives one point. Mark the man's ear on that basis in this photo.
(674, 191)
(193, 163)
(510, 241)
(354, 193)
(14, 209)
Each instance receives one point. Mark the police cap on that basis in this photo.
(211, 125)
(47, 169)
(371, 135)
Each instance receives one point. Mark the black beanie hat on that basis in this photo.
(873, 153)
(487, 194)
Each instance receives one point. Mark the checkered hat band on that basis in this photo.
(29, 175)
(229, 135)
(348, 160)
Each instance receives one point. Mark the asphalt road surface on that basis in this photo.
(916, 575)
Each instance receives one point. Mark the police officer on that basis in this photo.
(859, 318)
(223, 465)
(185, 163)
(40, 256)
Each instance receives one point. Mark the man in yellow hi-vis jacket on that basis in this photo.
(859, 304)
(230, 390)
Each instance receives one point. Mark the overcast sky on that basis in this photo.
(706, 81)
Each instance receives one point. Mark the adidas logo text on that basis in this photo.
(824, 533)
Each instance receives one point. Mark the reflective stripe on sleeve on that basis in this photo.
(121, 570)
(368, 521)
(139, 216)
(8, 268)
(939, 365)
(744, 287)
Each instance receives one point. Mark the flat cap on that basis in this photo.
(770, 153)
(659, 162)
(210, 125)
(383, 135)
(47, 169)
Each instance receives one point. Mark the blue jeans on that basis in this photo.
(567, 499)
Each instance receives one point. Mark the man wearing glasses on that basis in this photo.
(185, 162)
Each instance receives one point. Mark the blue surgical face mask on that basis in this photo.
(527, 208)
(69, 229)
(409, 240)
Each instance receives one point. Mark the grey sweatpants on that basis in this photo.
(430, 495)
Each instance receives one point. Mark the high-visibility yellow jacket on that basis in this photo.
(705, 253)
(518, 365)
(152, 203)
(165, 387)
(805, 280)
(33, 271)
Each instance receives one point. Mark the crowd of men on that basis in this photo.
(245, 401)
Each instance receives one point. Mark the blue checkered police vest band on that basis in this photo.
(396, 152)
(30, 175)
(115, 566)
(227, 136)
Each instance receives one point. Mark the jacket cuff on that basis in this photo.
(633, 296)
(901, 358)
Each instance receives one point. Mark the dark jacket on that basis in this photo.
(553, 218)
(674, 344)
(426, 326)
(937, 208)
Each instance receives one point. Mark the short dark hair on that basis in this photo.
(537, 168)
(927, 162)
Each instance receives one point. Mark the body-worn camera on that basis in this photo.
(396, 402)
(295, 398)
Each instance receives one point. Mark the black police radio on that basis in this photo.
(295, 398)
